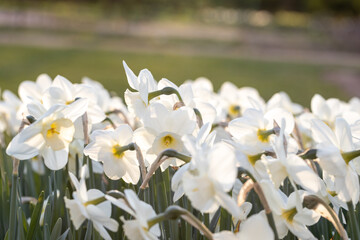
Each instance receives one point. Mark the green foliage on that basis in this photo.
(300, 81)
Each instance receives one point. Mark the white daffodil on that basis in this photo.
(288, 164)
(203, 91)
(288, 212)
(254, 228)
(107, 146)
(76, 149)
(81, 208)
(137, 228)
(196, 146)
(37, 165)
(49, 135)
(163, 129)
(207, 111)
(113, 106)
(326, 110)
(236, 101)
(30, 91)
(254, 128)
(211, 176)
(335, 150)
(144, 83)
(282, 100)
(62, 91)
(11, 112)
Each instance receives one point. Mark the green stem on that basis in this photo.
(262, 199)
(91, 173)
(88, 231)
(13, 206)
(165, 91)
(271, 221)
(353, 221)
(174, 212)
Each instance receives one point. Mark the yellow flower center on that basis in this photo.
(118, 151)
(253, 158)
(234, 110)
(53, 130)
(289, 215)
(263, 135)
(332, 193)
(69, 102)
(167, 140)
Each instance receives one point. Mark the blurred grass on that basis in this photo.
(300, 81)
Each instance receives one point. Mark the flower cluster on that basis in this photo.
(191, 154)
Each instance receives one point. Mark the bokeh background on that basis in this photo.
(300, 47)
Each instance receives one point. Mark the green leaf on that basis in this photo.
(35, 217)
(56, 231)
(64, 235)
(13, 206)
(46, 231)
(20, 228)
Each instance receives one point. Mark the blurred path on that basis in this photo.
(32, 28)
(41, 29)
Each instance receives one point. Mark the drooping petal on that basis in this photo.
(55, 160)
(343, 134)
(303, 175)
(27, 143)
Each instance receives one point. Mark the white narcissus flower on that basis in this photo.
(288, 212)
(196, 146)
(81, 208)
(30, 91)
(326, 110)
(254, 228)
(282, 100)
(252, 129)
(288, 164)
(144, 83)
(106, 146)
(207, 111)
(331, 150)
(236, 100)
(49, 136)
(163, 129)
(76, 149)
(37, 165)
(208, 179)
(62, 91)
(137, 228)
(11, 112)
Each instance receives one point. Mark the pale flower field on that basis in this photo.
(177, 160)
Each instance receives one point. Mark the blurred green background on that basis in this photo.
(301, 47)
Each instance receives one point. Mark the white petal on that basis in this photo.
(131, 77)
(343, 134)
(256, 227)
(322, 133)
(27, 143)
(303, 175)
(55, 160)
